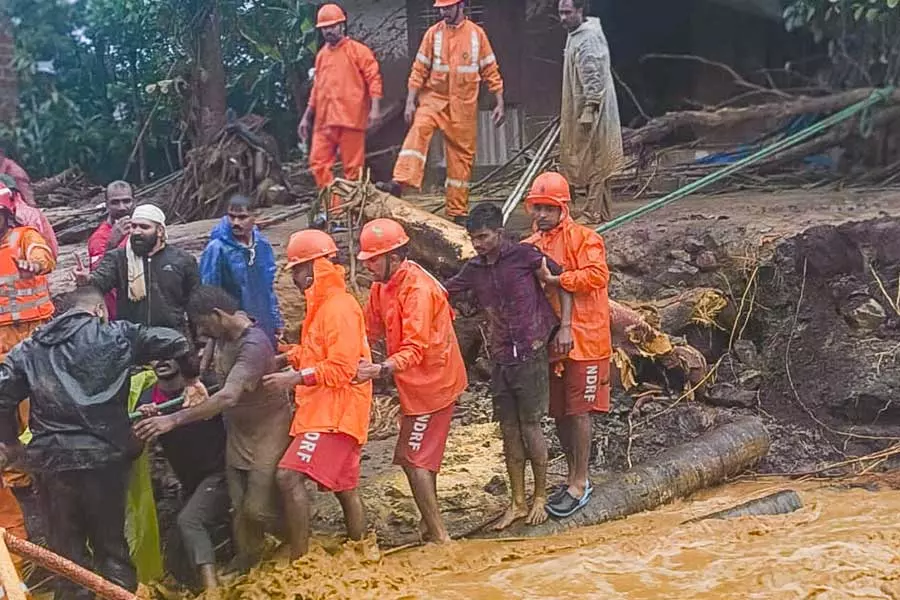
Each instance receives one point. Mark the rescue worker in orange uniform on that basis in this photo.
(331, 421)
(410, 310)
(579, 382)
(453, 58)
(345, 101)
(25, 304)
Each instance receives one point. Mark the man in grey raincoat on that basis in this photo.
(590, 133)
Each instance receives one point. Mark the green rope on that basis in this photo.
(877, 96)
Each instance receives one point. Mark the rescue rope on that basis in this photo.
(877, 96)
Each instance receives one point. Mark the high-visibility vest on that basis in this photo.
(21, 299)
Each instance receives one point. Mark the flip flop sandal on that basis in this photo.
(567, 505)
(556, 491)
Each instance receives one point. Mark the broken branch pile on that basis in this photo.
(241, 159)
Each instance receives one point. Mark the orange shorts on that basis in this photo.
(582, 388)
(423, 438)
(329, 459)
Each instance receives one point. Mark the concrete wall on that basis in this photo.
(9, 96)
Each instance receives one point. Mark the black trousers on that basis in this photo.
(85, 511)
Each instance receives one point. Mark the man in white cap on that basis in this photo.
(153, 280)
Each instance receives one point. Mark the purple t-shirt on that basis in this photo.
(520, 318)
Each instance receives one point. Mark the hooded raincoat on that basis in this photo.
(581, 253)
(332, 342)
(412, 313)
(590, 152)
(246, 272)
(76, 372)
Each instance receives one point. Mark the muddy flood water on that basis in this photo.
(844, 543)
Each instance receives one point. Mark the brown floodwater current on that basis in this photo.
(844, 543)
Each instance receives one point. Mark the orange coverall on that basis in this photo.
(448, 67)
(580, 251)
(347, 78)
(332, 341)
(412, 313)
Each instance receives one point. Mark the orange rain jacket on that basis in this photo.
(449, 65)
(347, 77)
(580, 251)
(332, 341)
(412, 313)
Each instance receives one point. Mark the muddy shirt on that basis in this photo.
(257, 426)
(519, 317)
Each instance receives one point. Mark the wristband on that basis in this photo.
(308, 377)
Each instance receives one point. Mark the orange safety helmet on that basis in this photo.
(549, 188)
(380, 237)
(446, 3)
(330, 14)
(308, 245)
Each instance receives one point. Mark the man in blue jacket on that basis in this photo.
(240, 260)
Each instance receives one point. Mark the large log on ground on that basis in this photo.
(709, 460)
(696, 120)
(779, 503)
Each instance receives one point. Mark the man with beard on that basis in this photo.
(240, 260)
(345, 101)
(453, 58)
(590, 135)
(113, 232)
(153, 280)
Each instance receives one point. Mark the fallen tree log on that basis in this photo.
(779, 503)
(660, 128)
(709, 460)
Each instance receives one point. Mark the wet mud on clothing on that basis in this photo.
(521, 391)
(86, 510)
(257, 426)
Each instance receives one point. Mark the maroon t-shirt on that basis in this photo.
(519, 316)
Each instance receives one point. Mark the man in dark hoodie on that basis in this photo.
(75, 370)
(240, 260)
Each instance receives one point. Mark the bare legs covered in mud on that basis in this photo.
(521, 442)
(423, 484)
(575, 438)
(298, 509)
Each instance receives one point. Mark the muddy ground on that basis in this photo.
(822, 376)
(808, 342)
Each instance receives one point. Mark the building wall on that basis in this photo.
(9, 98)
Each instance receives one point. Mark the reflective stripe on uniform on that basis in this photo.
(438, 52)
(472, 67)
(423, 59)
(414, 154)
(487, 60)
(457, 183)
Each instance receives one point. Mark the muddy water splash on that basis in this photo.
(845, 543)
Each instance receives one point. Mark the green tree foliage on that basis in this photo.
(116, 63)
(863, 37)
